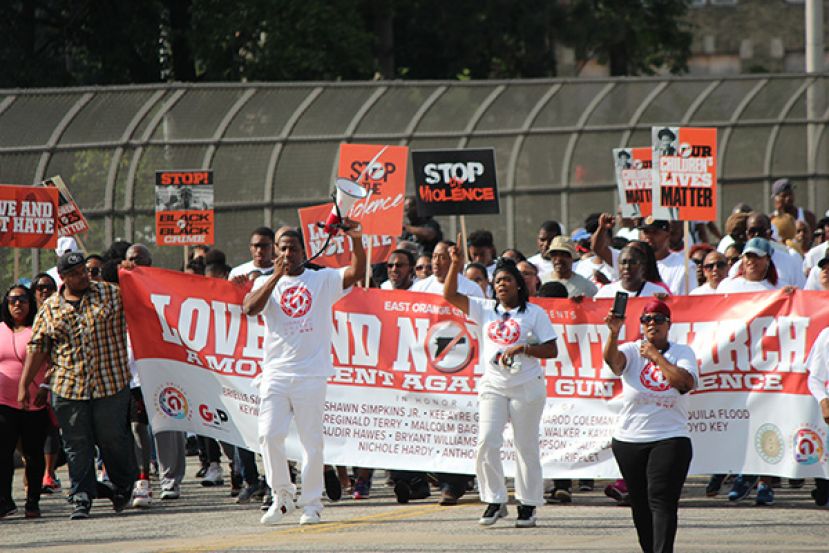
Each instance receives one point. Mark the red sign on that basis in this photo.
(634, 180)
(382, 170)
(28, 217)
(338, 252)
(685, 171)
(70, 219)
(184, 208)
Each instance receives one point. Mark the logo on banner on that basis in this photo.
(808, 446)
(652, 378)
(768, 441)
(212, 417)
(448, 347)
(173, 402)
(504, 332)
(295, 301)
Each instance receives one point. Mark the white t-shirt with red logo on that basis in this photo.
(299, 323)
(651, 408)
(506, 328)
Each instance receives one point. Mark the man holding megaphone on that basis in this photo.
(296, 303)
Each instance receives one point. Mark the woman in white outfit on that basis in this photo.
(515, 334)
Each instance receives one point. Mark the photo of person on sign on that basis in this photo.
(667, 142)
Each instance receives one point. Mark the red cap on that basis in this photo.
(657, 306)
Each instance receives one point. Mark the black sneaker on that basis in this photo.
(81, 506)
(526, 517)
(402, 491)
(714, 485)
(7, 508)
(563, 495)
(420, 488)
(119, 501)
(493, 512)
(32, 509)
(247, 493)
(333, 488)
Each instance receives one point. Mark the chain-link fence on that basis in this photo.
(273, 147)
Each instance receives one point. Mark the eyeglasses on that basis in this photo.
(17, 299)
(401, 265)
(657, 318)
(420, 267)
(45, 288)
(712, 266)
(94, 271)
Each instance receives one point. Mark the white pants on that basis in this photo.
(304, 400)
(522, 406)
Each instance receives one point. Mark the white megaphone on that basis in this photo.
(348, 192)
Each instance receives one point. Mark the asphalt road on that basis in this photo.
(207, 519)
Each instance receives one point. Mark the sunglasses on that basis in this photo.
(421, 267)
(17, 299)
(94, 271)
(712, 266)
(45, 288)
(401, 265)
(657, 318)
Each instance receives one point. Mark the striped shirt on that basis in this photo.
(87, 344)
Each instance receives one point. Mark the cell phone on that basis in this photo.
(620, 305)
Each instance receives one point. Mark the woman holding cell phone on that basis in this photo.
(514, 335)
(651, 442)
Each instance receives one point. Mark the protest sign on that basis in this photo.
(70, 219)
(403, 395)
(382, 170)
(184, 208)
(28, 217)
(685, 173)
(455, 182)
(634, 180)
(338, 252)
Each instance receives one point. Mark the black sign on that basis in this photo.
(455, 182)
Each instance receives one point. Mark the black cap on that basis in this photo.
(780, 186)
(822, 263)
(655, 224)
(69, 261)
(666, 132)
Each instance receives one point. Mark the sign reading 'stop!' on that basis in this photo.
(455, 182)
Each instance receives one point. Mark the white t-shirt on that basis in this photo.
(609, 291)
(672, 270)
(813, 256)
(506, 328)
(585, 268)
(299, 323)
(740, 284)
(544, 266)
(813, 280)
(818, 365)
(246, 268)
(703, 290)
(651, 408)
(433, 286)
(789, 267)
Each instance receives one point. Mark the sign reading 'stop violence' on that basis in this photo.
(455, 182)
(338, 251)
(70, 219)
(381, 170)
(634, 180)
(685, 173)
(28, 217)
(184, 208)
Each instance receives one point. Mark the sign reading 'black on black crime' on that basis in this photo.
(455, 182)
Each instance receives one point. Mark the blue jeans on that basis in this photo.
(105, 422)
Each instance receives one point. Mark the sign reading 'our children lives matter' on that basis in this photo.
(634, 180)
(28, 217)
(685, 173)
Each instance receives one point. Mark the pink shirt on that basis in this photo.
(12, 357)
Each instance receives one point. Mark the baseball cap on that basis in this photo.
(66, 244)
(69, 261)
(655, 224)
(758, 246)
(780, 186)
(822, 263)
(562, 244)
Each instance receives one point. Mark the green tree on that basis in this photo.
(633, 37)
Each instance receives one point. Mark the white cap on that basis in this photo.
(66, 244)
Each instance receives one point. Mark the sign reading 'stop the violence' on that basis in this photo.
(184, 208)
(685, 173)
(455, 182)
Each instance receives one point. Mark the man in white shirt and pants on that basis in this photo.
(296, 303)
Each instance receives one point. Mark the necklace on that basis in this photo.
(14, 346)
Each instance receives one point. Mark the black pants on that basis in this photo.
(654, 473)
(30, 427)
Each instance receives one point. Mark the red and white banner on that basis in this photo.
(338, 252)
(404, 392)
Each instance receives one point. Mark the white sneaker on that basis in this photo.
(310, 517)
(213, 476)
(142, 494)
(170, 493)
(283, 505)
